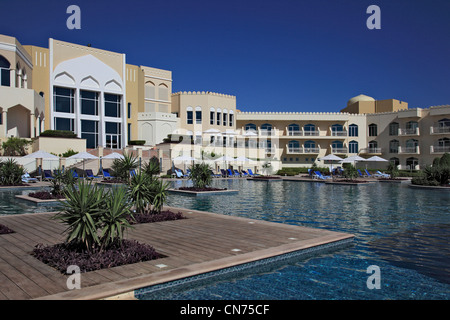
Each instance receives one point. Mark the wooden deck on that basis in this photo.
(204, 242)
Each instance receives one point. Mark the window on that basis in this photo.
(66, 124)
(412, 125)
(337, 146)
(353, 130)
(89, 102)
(337, 130)
(393, 128)
(129, 131)
(309, 130)
(310, 146)
(293, 129)
(113, 134)
(163, 92)
(394, 161)
(190, 115)
(393, 146)
(129, 110)
(63, 100)
(149, 90)
(198, 115)
(250, 127)
(411, 163)
(112, 105)
(211, 116)
(294, 146)
(218, 117)
(89, 131)
(373, 144)
(5, 75)
(267, 128)
(231, 118)
(373, 130)
(224, 118)
(411, 145)
(353, 146)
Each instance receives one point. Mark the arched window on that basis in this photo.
(393, 128)
(198, 115)
(337, 130)
(337, 146)
(393, 146)
(218, 116)
(443, 145)
(189, 115)
(309, 146)
(149, 90)
(353, 146)
(444, 122)
(250, 127)
(293, 129)
(231, 118)
(294, 146)
(309, 129)
(5, 77)
(373, 130)
(411, 145)
(212, 113)
(373, 144)
(225, 116)
(395, 161)
(411, 163)
(353, 130)
(267, 127)
(163, 92)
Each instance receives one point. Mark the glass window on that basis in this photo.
(411, 163)
(293, 129)
(353, 130)
(211, 117)
(63, 100)
(190, 117)
(89, 102)
(112, 105)
(89, 131)
(353, 147)
(66, 124)
(113, 134)
(129, 110)
(5, 75)
(250, 126)
(267, 127)
(309, 129)
(231, 119)
(393, 129)
(393, 146)
(224, 119)
(373, 144)
(394, 161)
(218, 118)
(198, 117)
(373, 130)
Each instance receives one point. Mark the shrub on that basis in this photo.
(350, 172)
(15, 146)
(5, 230)
(10, 173)
(136, 142)
(392, 170)
(200, 175)
(58, 134)
(121, 167)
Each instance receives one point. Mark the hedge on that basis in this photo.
(58, 134)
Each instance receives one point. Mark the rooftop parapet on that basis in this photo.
(203, 93)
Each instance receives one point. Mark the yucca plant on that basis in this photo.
(10, 172)
(158, 194)
(81, 212)
(114, 220)
(139, 191)
(200, 175)
(121, 167)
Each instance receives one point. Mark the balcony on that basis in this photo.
(339, 133)
(409, 150)
(371, 151)
(439, 149)
(315, 133)
(302, 150)
(339, 150)
(440, 130)
(295, 133)
(408, 132)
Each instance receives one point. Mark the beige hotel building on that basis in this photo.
(107, 102)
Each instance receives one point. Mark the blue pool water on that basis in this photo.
(10, 205)
(403, 231)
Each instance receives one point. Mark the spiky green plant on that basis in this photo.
(10, 172)
(200, 175)
(139, 191)
(121, 167)
(158, 194)
(81, 213)
(114, 220)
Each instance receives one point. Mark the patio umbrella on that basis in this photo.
(353, 159)
(113, 155)
(41, 155)
(224, 159)
(183, 159)
(83, 156)
(376, 159)
(331, 157)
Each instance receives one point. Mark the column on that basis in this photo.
(32, 125)
(5, 123)
(12, 78)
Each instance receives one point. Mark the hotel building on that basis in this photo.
(107, 102)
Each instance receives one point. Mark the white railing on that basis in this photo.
(410, 150)
(339, 133)
(408, 132)
(439, 129)
(370, 150)
(439, 149)
(339, 150)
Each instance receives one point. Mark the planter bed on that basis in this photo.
(40, 201)
(201, 192)
(5, 230)
(349, 182)
(165, 215)
(265, 178)
(397, 180)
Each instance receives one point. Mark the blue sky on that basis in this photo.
(284, 55)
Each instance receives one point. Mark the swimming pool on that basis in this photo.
(403, 231)
(10, 205)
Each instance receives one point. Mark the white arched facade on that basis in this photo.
(89, 99)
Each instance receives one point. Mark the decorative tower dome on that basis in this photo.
(359, 98)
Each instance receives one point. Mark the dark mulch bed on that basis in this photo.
(61, 256)
(45, 195)
(5, 230)
(265, 177)
(395, 179)
(201, 189)
(166, 215)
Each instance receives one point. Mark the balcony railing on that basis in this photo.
(370, 150)
(302, 150)
(339, 150)
(439, 149)
(409, 150)
(294, 150)
(408, 132)
(311, 133)
(294, 133)
(439, 129)
(339, 133)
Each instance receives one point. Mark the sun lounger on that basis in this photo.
(90, 174)
(178, 173)
(250, 172)
(132, 172)
(48, 175)
(27, 178)
(360, 173)
(380, 174)
(320, 176)
(368, 173)
(244, 173)
(230, 173)
(106, 174)
(236, 173)
(224, 173)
